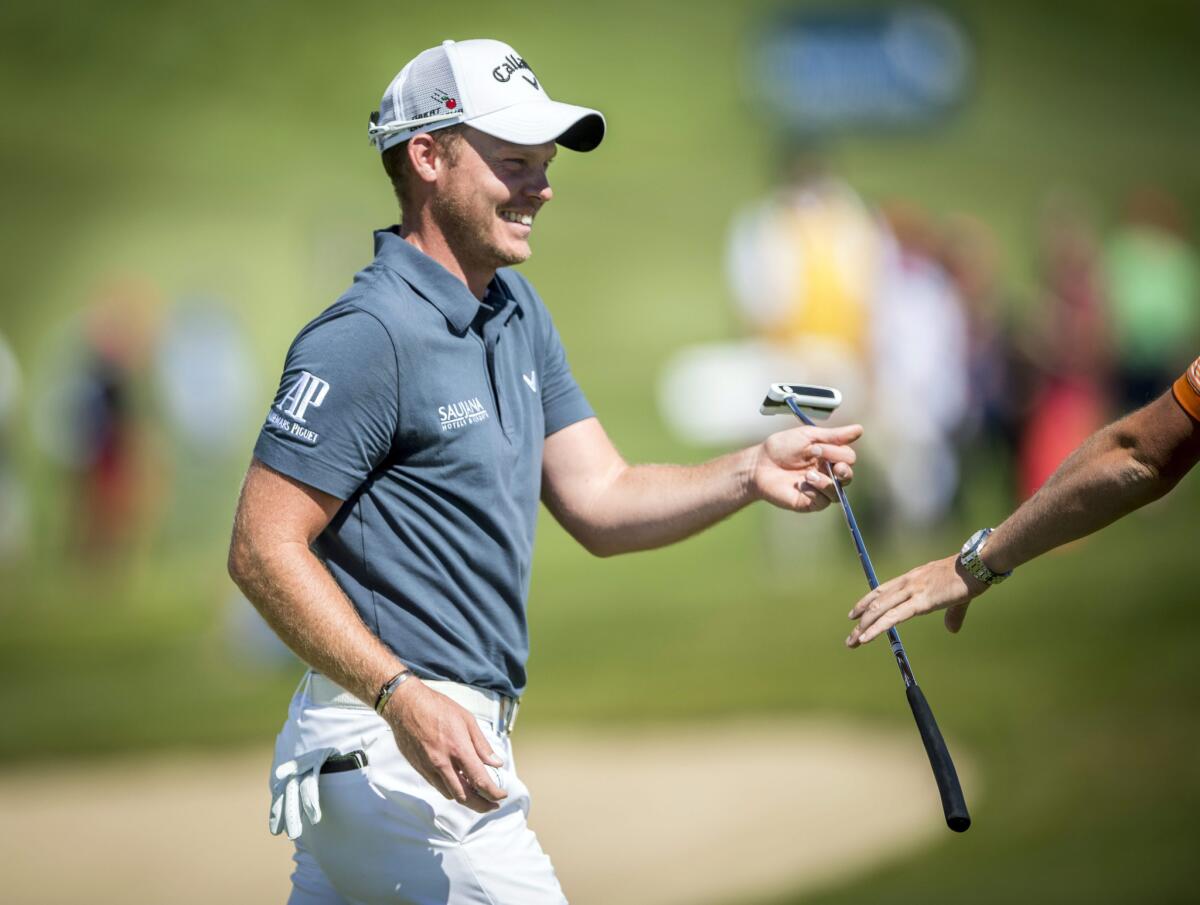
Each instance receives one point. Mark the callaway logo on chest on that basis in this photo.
(460, 414)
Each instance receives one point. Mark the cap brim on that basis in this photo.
(538, 122)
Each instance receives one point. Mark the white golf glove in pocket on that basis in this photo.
(294, 788)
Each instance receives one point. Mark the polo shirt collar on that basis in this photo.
(435, 283)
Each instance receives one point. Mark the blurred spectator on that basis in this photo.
(202, 366)
(1069, 343)
(206, 391)
(1153, 283)
(93, 420)
(108, 422)
(14, 499)
(997, 377)
(919, 356)
(801, 261)
(802, 264)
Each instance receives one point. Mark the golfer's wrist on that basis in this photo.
(746, 473)
(996, 556)
(996, 563)
(974, 586)
(391, 687)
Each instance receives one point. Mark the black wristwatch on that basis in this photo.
(971, 559)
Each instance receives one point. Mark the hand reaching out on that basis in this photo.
(938, 585)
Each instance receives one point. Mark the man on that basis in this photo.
(1118, 469)
(385, 527)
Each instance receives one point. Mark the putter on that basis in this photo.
(812, 402)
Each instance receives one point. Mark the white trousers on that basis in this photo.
(386, 836)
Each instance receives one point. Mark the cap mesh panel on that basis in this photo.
(430, 88)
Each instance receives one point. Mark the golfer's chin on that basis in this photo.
(512, 251)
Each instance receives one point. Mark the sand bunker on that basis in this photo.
(662, 816)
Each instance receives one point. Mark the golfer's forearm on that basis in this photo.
(299, 599)
(1103, 480)
(647, 506)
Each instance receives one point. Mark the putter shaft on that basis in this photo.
(954, 806)
(863, 557)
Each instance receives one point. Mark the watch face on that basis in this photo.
(973, 540)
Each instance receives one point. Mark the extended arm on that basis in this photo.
(271, 561)
(612, 507)
(1122, 467)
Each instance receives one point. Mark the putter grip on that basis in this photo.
(953, 803)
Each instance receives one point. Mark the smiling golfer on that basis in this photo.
(385, 528)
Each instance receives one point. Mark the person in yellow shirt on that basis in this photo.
(1118, 469)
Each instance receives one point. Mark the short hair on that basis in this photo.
(395, 162)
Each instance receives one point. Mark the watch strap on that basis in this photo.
(971, 558)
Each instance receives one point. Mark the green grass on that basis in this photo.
(1075, 690)
(220, 149)
(1072, 688)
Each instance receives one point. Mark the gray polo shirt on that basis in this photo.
(426, 411)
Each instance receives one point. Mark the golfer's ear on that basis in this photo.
(423, 153)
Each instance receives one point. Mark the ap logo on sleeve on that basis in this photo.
(307, 391)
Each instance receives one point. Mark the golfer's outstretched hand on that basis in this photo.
(938, 585)
(789, 470)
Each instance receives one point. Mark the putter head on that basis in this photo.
(818, 402)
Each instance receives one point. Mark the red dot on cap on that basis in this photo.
(451, 104)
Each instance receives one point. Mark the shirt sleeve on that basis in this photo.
(336, 411)
(563, 402)
(1187, 390)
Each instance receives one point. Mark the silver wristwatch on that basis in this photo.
(971, 558)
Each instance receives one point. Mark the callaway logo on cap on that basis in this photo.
(486, 84)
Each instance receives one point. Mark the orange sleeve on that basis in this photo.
(1187, 390)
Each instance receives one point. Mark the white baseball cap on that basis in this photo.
(487, 85)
